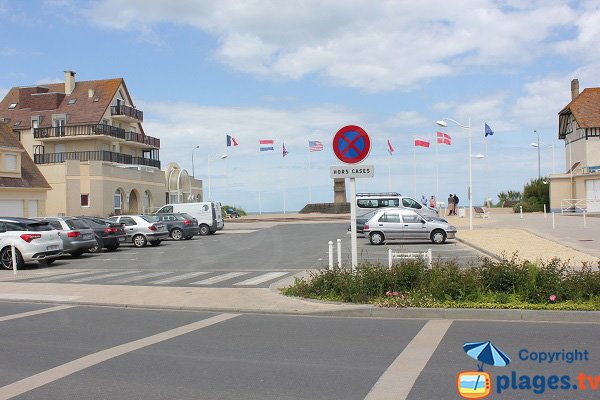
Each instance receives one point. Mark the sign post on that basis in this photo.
(351, 145)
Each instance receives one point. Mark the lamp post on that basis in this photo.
(538, 148)
(550, 146)
(220, 157)
(197, 147)
(443, 123)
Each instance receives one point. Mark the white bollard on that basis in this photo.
(521, 211)
(330, 255)
(339, 253)
(429, 258)
(553, 226)
(390, 258)
(14, 258)
(544, 211)
(584, 221)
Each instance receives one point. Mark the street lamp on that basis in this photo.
(220, 157)
(538, 147)
(197, 147)
(550, 146)
(443, 123)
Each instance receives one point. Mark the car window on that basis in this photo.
(410, 203)
(186, 216)
(38, 226)
(368, 203)
(150, 218)
(166, 209)
(390, 217)
(411, 219)
(128, 221)
(14, 226)
(2, 227)
(389, 202)
(76, 224)
(55, 225)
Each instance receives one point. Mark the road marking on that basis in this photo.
(34, 296)
(102, 276)
(43, 378)
(398, 380)
(219, 278)
(139, 277)
(261, 278)
(32, 313)
(61, 276)
(178, 278)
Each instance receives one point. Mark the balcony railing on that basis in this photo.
(95, 129)
(100, 155)
(127, 111)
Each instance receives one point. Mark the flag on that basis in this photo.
(488, 130)
(231, 141)
(285, 152)
(421, 142)
(266, 145)
(390, 148)
(315, 145)
(443, 138)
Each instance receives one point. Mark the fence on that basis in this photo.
(427, 256)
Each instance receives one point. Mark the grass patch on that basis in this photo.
(510, 283)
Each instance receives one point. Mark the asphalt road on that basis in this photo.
(116, 353)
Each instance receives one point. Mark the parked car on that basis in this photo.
(141, 229)
(108, 235)
(179, 225)
(365, 202)
(33, 241)
(208, 214)
(76, 235)
(393, 223)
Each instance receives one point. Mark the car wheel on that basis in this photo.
(155, 242)
(176, 234)
(139, 241)
(376, 238)
(113, 247)
(204, 230)
(97, 248)
(438, 236)
(6, 258)
(77, 253)
(47, 261)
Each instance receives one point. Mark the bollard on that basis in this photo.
(553, 226)
(339, 251)
(14, 258)
(584, 221)
(521, 211)
(390, 258)
(544, 211)
(330, 255)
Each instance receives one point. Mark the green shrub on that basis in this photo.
(506, 275)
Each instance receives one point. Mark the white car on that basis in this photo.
(142, 229)
(33, 241)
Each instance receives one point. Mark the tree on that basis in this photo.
(535, 194)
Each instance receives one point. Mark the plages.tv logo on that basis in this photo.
(478, 384)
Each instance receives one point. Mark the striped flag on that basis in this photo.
(443, 138)
(266, 145)
(285, 152)
(231, 141)
(421, 142)
(315, 145)
(390, 148)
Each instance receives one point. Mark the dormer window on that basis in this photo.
(72, 101)
(12, 106)
(10, 162)
(18, 123)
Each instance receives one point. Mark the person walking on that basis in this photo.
(424, 200)
(455, 203)
(432, 202)
(450, 204)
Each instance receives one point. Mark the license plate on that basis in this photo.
(53, 247)
(87, 236)
(121, 239)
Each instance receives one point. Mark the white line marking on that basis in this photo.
(61, 276)
(219, 278)
(178, 278)
(398, 380)
(33, 296)
(102, 276)
(261, 278)
(139, 277)
(54, 374)
(32, 313)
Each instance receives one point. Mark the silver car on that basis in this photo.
(76, 235)
(142, 229)
(394, 223)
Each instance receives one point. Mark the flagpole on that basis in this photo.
(414, 168)
(260, 181)
(389, 170)
(310, 179)
(437, 172)
(486, 173)
(284, 180)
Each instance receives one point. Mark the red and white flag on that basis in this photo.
(390, 148)
(443, 138)
(421, 142)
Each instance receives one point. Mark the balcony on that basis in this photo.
(126, 113)
(94, 129)
(100, 155)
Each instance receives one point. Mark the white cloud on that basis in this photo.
(373, 46)
(48, 80)
(3, 92)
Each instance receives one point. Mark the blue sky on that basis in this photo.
(295, 71)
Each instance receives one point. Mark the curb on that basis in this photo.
(480, 249)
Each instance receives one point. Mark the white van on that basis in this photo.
(208, 214)
(366, 202)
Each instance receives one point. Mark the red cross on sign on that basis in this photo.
(351, 144)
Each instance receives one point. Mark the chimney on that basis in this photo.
(90, 93)
(574, 88)
(69, 82)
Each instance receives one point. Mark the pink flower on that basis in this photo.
(395, 293)
(388, 293)
(552, 297)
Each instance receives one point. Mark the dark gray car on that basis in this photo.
(76, 235)
(179, 225)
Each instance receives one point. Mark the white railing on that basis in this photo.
(427, 256)
(573, 205)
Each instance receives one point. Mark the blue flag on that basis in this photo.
(488, 130)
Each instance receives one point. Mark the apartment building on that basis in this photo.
(88, 141)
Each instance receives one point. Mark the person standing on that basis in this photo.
(455, 203)
(450, 204)
(424, 200)
(432, 202)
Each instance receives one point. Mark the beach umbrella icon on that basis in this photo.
(486, 353)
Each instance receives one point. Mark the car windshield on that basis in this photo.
(150, 218)
(39, 226)
(76, 224)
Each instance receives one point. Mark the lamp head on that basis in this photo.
(534, 145)
(441, 122)
(479, 156)
(224, 156)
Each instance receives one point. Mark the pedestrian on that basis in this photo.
(450, 204)
(424, 200)
(455, 203)
(432, 202)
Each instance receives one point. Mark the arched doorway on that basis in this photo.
(147, 202)
(133, 203)
(118, 202)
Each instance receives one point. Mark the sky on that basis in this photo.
(294, 71)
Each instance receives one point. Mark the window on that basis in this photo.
(389, 202)
(410, 203)
(412, 219)
(365, 203)
(127, 221)
(12, 106)
(72, 101)
(35, 123)
(118, 200)
(390, 217)
(10, 162)
(85, 200)
(55, 225)
(166, 209)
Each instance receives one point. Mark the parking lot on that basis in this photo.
(242, 255)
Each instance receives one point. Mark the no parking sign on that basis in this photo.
(351, 144)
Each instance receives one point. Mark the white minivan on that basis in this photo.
(366, 202)
(208, 214)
